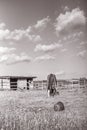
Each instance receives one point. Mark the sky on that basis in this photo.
(39, 37)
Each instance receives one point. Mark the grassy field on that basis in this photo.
(33, 110)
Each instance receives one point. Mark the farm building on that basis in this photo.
(16, 82)
(83, 81)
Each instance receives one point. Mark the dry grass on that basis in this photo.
(33, 110)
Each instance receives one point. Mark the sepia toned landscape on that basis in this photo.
(43, 64)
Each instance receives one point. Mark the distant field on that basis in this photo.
(33, 110)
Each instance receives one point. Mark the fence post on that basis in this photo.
(2, 83)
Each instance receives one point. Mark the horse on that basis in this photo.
(51, 85)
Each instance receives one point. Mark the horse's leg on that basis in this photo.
(48, 93)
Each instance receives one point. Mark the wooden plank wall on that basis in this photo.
(4, 83)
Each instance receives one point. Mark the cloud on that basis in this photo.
(77, 34)
(81, 45)
(37, 38)
(41, 24)
(47, 48)
(60, 72)
(4, 50)
(2, 25)
(44, 57)
(66, 8)
(70, 21)
(17, 34)
(63, 50)
(4, 33)
(13, 58)
(74, 36)
(82, 53)
(83, 42)
(29, 29)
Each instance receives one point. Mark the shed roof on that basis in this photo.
(17, 77)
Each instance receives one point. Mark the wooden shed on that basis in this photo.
(16, 82)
